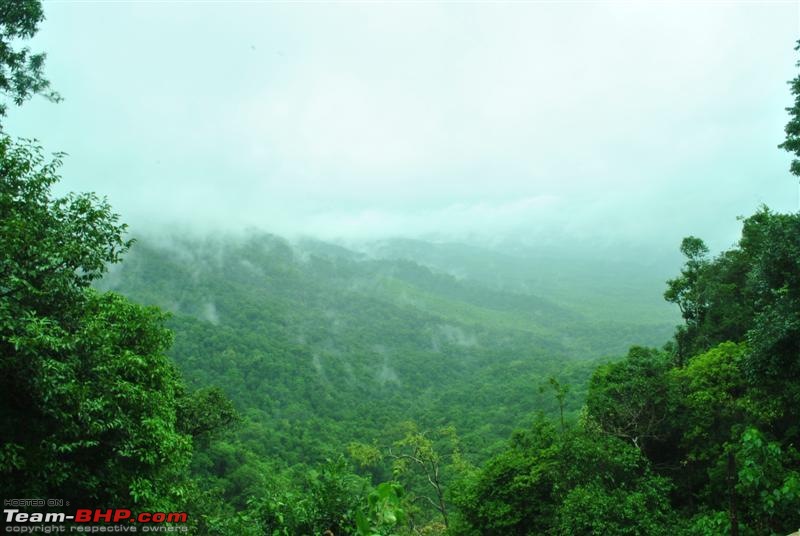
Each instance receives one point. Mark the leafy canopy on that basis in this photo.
(89, 398)
(21, 72)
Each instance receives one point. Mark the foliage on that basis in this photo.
(416, 451)
(712, 296)
(21, 73)
(513, 494)
(594, 509)
(792, 130)
(205, 412)
(752, 293)
(704, 434)
(560, 391)
(631, 399)
(317, 501)
(52, 248)
(89, 398)
(385, 511)
(315, 358)
(648, 453)
(711, 391)
(578, 482)
(768, 483)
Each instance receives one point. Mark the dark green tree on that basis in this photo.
(514, 493)
(206, 412)
(749, 293)
(89, 399)
(581, 481)
(684, 290)
(792, 142)
(607, 486)
(632, 400)
(21, 72)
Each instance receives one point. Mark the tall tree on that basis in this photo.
(89, 399)
(792, 143)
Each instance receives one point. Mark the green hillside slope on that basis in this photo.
(319, 345)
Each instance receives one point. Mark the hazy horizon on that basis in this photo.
(598, 123)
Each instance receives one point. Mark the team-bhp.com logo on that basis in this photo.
(83, 515)
(85, 520)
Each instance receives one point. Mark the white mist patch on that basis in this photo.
(209, 313)
(349, 373)
(316, 362)
(172, 306)
(334, 319)
(300, 256)
(481, 218)
(406, 298)
(456, 335)
(251, 268)
(112, 278)
(385, 373)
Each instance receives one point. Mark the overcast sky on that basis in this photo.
(600, 120)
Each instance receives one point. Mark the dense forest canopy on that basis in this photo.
(275, 387)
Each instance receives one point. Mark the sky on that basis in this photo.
(601, 122)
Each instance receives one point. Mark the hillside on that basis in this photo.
(598, 282)
(320, 345)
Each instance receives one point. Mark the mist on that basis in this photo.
(616, 124)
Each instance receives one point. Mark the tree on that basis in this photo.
(560, 391)
(329, 499)
(206, 412)
(21, 74)
(514, 492)
(418, 450)
(767, 483)
(631, 399)
(712, 399)
(89, 399)
(749, 293)
(792, 142)
(384, 512)
(772, 245)
(50, 249)
(686, 291)
(580, 481)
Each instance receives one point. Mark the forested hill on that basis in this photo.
(313, 337)
(598, 281)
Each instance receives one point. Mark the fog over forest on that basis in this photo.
(400, 268)
(617, 125)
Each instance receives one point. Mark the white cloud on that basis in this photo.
(634, 120)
